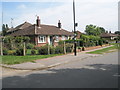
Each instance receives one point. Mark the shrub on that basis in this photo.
(79, 48)
(30, 46)
(52, 50)
(61, 42)
(59, 49)
(69, 48)
(33, 51)
(5, 51)
(83, 48)
(19, 52)
(43, 50)
(100, 42)
(11, 52)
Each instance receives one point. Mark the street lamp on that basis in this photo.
(75, 25)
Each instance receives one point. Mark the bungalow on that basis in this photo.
(110, 36)
(41, 34)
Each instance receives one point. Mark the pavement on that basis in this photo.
(52, 61)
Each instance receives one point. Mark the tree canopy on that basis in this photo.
(4, 29)
(117, 32)
(94, 30)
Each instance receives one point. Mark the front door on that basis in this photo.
(51, 40)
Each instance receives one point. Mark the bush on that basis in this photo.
(52, 50)
(100, 42)
(11, 52)
(43, 50)
(59, 49)
(83, 48)
(61, 42)
(19, 52)
(37, 48)
(33, 52)
(79, 48)
(30, 46)
(69, 48)
(5, 51)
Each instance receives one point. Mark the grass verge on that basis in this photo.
(10, 60)
(104, 50)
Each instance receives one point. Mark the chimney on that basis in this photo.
(109, 31)
(59, 24)
(38, 21)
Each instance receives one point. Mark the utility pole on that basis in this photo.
(75, 52)
(1, 44)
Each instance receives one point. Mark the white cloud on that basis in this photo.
(87, 12)
(22, 6)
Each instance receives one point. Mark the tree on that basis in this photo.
(102, 29)
(94, 30)
(7, 28)
(4, 29)
(117, 32)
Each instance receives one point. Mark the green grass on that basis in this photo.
(21, 59)
(104, 50)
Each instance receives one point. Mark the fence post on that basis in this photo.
(73, 48)
(24, 49)
(48, 49)
(64, 48)
(1, 48)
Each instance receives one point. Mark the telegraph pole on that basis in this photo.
(1, 41)
(75, 52)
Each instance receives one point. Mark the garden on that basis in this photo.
(17, 50)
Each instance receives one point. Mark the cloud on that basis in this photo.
(22, 6)
(100, 13)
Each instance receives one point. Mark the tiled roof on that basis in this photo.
(108, 35)
(42, 30)
(21, 26)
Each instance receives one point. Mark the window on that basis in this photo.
(42, 39)
(56, 38)
(63, 37)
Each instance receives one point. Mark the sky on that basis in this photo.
(103, 13)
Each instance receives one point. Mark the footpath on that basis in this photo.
(52, 61)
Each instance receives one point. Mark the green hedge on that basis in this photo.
(59, 49)
(30, 46)
(33, 52)
(87, 41)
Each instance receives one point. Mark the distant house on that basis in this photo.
(110, 36)
(41, 34)
(78, 34)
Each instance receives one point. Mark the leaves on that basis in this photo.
(94, 30)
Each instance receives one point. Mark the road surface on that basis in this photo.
(93, 72)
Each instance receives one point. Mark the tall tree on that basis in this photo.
(4, 29)
(94, 30)
(102, 29)
(7, 28)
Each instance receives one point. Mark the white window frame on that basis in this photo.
(40, 37)
(56, 38)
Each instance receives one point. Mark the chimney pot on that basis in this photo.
(38, 21)
(59, 24)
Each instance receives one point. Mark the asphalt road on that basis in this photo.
(93, 72)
